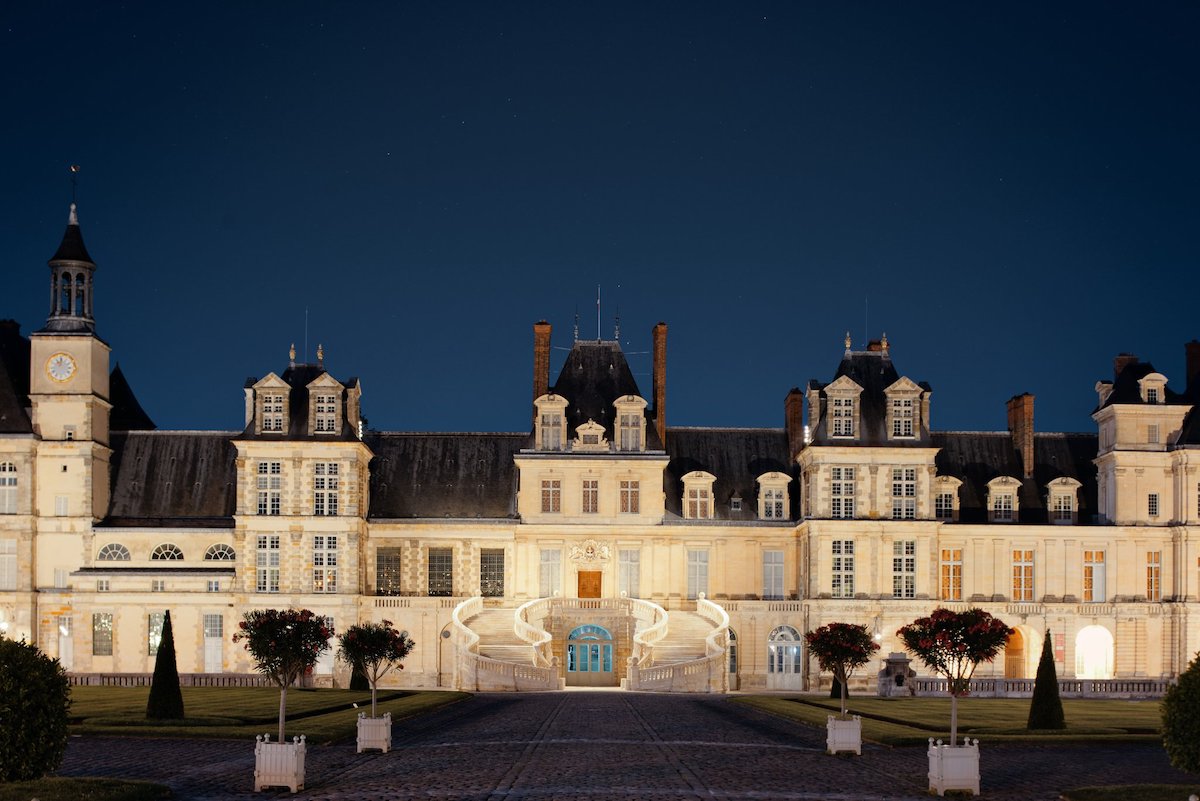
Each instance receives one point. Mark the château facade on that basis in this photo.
(597, 545)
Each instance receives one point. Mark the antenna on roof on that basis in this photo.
(306, 333)
(576, 322)
(617, 326)
(866, 321)
(74, 168)
(597, 312)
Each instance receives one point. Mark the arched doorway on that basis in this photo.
(784, 659)
(590, 657)
(1014, 656)
(1094, 653)
(731, 648)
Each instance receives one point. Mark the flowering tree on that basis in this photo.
(373, 649)
(952, 644)
(841, 648)
(285, 644)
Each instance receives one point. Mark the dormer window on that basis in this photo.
(1002, 499)
(1062, 500)
(325, 414)
(698, 495)
(550, 434)
(631, 421)
(1152, 395)
(1153, 388)
(590, 437)
(902, 417)
(843, 417)
(773, 496)
(273, 411)
(945, 498)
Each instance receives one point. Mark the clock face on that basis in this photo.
(60, 367)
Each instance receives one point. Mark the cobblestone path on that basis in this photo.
(598, 746)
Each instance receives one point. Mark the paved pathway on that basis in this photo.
(597, 746)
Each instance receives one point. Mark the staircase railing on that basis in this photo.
(706, 674)
(527, 624)
(654, 622)
(475, 672)
(466, 644)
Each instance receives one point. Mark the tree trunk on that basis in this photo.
(841, 677)
(374, 684)
(282, 709)
(953, 720)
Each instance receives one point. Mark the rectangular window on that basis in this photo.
(158, 585)
(697, 573)
(904, 493)
(772, 504)
(842, 492)
(952, 574)
(843, 569)
(1022, 573)
(551, 431)
(266, 563)
(62, 507)
(551, 495)
(902, 417)
(8, 488)
(1093, 577)
(631, 432)
(1154, 576)
(550, 572)
(154, 630)
(943, 506)
(270, 487)
(629, 573)
(102, 634)
(325, 489)
(8, 564)
(102, 585)
(843, 417)
(904, 569)
(591, 496)
(1151, 394)
(631, 502)
(491, 572)
(1152, 504)
(772, 562)
(62, 579)
(387, 571)
(214, 585)
(699, 502)
(1064, 509)
(1152, 434)
(325, 563)
(441, 571)
(272, 405)
(326, 413)
(1002, 507)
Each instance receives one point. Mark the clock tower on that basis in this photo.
(68, 390)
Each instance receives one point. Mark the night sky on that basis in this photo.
(1009, 191)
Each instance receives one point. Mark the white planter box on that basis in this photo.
(954, 768)
(843, 735)
(279, 764)
(374, 732)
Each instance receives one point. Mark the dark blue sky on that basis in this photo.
(1011, 188)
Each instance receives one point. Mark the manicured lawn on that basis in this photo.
(912, 721)
(76, 789)
(234, 712)
(1133, 792)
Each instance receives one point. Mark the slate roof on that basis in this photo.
(173, 479)
(1126, 390)
(874, 372)
(1189, 432)
(298, 377)
(72, 248)
(736, 456)
(456, 475)
(977, 457)
(127, 414)
(14, 380)
(594, 375)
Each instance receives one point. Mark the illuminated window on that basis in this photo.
(952, 573)
(1154, 576)
(1022, 572)
(325, 563)
(441, 571)
(102, 634)
(1093, 577)
(154, 632)
(388, 566)
(843, 569)
(491, 572)
(904, 569)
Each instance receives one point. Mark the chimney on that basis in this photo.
(541, 358)
(1193, 368)
(1020, 425)
(1122, 361)
(793, 417)
(660, 381)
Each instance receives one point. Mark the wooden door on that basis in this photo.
(589, 583)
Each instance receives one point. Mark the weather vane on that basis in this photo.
(74, 168)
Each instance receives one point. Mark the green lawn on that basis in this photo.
(1133, 792)
(76, 789)
(912, 721)
(234, 712)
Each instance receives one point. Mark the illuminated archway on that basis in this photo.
(1014, 656)
(1094, 653)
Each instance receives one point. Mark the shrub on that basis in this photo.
(373, 649)
(841, 648)
(285, 644)
(1181, 719)
(1046, 709)
(34, 700)
(166, 699)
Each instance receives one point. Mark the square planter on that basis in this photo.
(279, 764)
(843, 735)
(374, 732)
(954, 767)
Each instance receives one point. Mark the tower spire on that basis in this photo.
(71, 277)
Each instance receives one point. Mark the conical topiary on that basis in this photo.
(1181, 719)
(1046, 710)
(166, 699)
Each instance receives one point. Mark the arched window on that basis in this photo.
(784, 659)
(64, 303)
(113, 552)
(1094, 653)
(731, 649)
(167, 552)
(79, 296)
(8, 488)
(220, 553)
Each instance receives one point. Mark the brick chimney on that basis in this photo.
(1122, 361)
(660, 380)
(1020, 425)
(541, 358)
(1193, 368)
(793, 417)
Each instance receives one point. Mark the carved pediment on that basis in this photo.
(590, 552)
(590, 437)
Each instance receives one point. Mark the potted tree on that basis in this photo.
(842, 648)
(952, 644)
(284, 644)
(372, 650)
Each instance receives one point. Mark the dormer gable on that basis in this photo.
(1062, 500)
(843, 410)
(1153, 388)
(630, 417)
(904, 413)
(589, 437)
(946, 501)
(267, 404)
(325, 405)
(550, 423)
(773, 501)
(1003, 499)
(698, 495)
